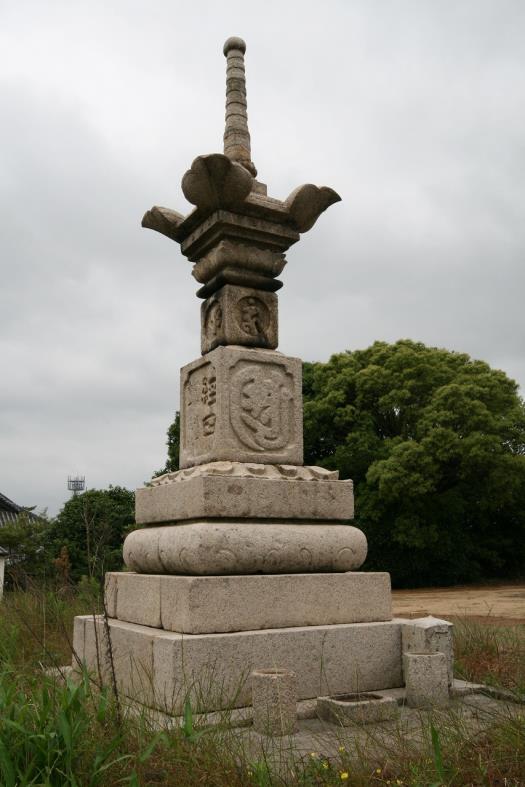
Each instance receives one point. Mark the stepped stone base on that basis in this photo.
(198, 605)
(161, 668)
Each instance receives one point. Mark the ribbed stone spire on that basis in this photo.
(236, 134)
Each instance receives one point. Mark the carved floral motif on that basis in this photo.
(249, 470)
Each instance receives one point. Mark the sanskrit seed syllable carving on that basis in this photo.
(236, 235)
(262, 407)
(253, 316)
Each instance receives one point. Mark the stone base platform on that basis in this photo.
(217, 604)
(162, 668)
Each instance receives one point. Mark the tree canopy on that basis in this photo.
(93, 526)
(435, 444)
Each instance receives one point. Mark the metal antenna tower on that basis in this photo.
(76, 483)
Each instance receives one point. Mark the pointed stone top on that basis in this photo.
(236, 135)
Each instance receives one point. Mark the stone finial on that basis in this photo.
(236, 134)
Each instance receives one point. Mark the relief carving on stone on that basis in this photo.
(253, 316)
(200, 395)
(261, 406)
(213, 320)
(249, 470)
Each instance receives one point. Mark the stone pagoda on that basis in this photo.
(243, 559)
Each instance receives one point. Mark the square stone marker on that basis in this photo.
(242, 405)
(239, 315)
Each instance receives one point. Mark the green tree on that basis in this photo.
(173, 442)
(435, 444)
(28, 542)
(92, 526)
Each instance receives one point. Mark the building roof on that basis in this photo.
(9, 511)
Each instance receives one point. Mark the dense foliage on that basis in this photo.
(92, 526)
(435, 444)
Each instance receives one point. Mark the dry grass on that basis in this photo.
(492, 654)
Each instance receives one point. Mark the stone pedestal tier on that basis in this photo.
(239, 490)
(245, 547)
(206, 605)
(162, 668)
(229, 517)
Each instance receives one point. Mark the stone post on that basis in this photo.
(430, 635)
(426, 679)
(274, 700)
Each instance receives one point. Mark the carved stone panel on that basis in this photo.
(242, 406)
(200, 404)
(239, 315)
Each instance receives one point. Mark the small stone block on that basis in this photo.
(242, 405)
(274, 700)
(426, 679)
(430, 635)
(239, 315)
(348, 709)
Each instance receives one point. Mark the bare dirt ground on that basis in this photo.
(501, 604)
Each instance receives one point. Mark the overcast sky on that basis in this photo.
(413, 110)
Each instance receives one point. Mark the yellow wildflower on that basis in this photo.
(342, 749)
(344, 776)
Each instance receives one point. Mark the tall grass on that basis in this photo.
(55, 733)
(491, 654)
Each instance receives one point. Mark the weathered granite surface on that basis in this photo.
(229, 469)
(426, 679)
(363, 709)
(237, 234)
(274, 701)
(159, 667)
(242, 405)
(215, 604)
(233, 497)
(430, 635)
(245, 547)
(241, 316)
